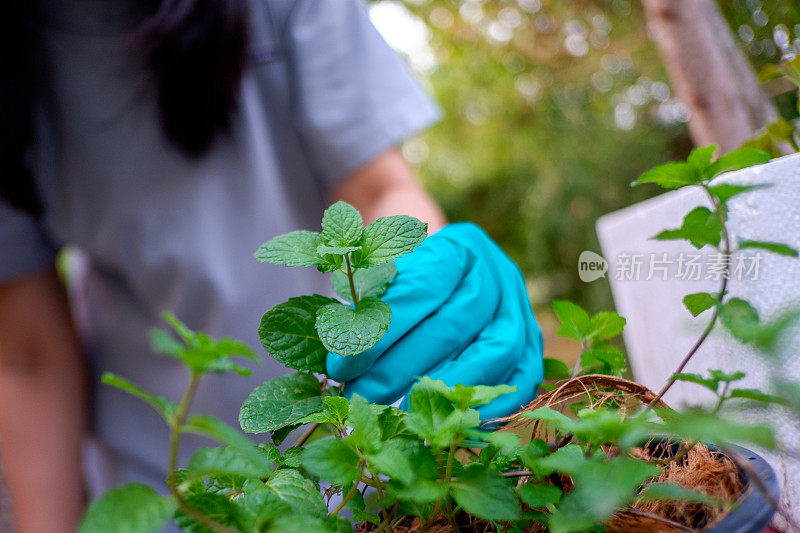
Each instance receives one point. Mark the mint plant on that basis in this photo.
(378, 467)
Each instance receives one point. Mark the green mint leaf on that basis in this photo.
(700, 158)
(603, 358)
(559, 420)
(280, 434)
(165, 407)
(484, 493)
(725, 191)
(702, 426)
(555, 370)
(710, 384)
(288, 332)
(575, 322)
(332, 460)
(698, 302)
(671, 175)
(670, 492)
(364, 421)
(499, 439)
(215, 506)
(405, 460)
(225, 461)
(539, 495)
(342, 225)
(368, 282)
(200, 352)
(774, 247)
(724, 377)
(132, 508)
(213, 428)
(606, 325)
(300, 493)
(337, 408)
(434, 417)
(601, 487)
(740, 319)
(700, 227)
(388, 238)
(296, 248)
(347, 331)
(744, 157)
(280, 402)
(756, 395)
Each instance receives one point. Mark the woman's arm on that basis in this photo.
(387, 186)
(42, 405)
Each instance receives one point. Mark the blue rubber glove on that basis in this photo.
(460, 314)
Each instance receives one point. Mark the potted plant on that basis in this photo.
(595, 451)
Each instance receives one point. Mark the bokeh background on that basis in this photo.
(551, 108)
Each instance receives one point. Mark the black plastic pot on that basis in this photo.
(754, 512)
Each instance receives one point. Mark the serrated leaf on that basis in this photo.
(500, 439)
(671, 175)
(744, 157)
(434, 417)
(332, 460)
(774, 247)
(342, 225)
(288, 332)
(280, 402)
(697, 379)
(693, 424)
(296, 248)
(698, 302)
(405, 460)
(575, 322)
(364, 421)
(700, 227)
(388, 238)
(213, 428)
(132, 508)
(165, 407)
(368, 282)
(601, 487)
(301, 494)
(725, 191)
(482, 492)
(215, 506)
(225, 461)
(700, 158)
(606, 325)
(539, 494)
(740, 319)
(347, 331)
(603, 358)
(555, 370)
(725, 377)
(338, 408)
(756, 395)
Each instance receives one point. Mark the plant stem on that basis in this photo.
(353, 293)
(448, 475)
(726, 250)
(306, 434)
(346, 499)
(176, 423)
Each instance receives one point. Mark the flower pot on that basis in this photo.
(754, 512)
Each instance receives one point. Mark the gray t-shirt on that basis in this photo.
(325, 94)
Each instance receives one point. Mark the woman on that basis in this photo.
(166, 142)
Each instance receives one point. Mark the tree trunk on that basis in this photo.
(709, 72)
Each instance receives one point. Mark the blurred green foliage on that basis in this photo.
(551, 109)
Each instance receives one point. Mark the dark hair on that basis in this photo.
(196, 50)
